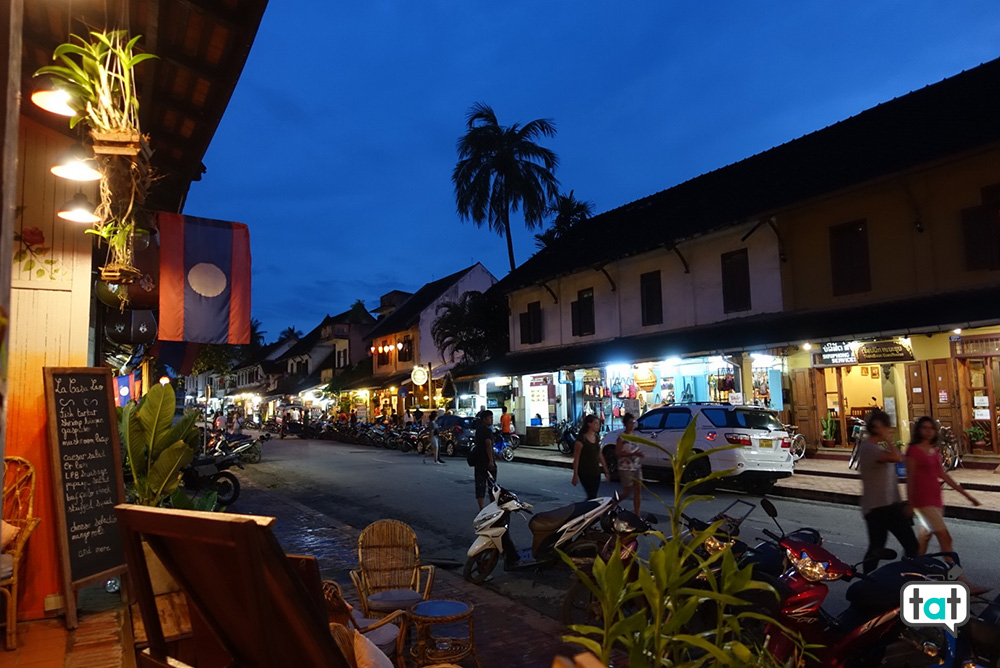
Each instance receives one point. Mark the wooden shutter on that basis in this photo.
(849, 261)
(982, 238)
(526, 328)
(736, 281)
(575, 317)
(651, 296)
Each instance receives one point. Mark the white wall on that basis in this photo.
(479, 279)
(689, 300)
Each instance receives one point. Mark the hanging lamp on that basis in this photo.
(52, 97)
(78, 210)
(76, 165)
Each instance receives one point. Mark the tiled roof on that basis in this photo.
(952, 116)
(408, 313)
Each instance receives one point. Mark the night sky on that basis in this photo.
(338, 144)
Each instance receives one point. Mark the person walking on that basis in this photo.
(482, 455)
(432, 425)
(883, 509)
(588, 460)
(630, 464)
(924, 474)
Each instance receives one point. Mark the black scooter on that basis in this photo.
(210, 472)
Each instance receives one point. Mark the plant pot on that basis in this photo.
(829, 443)
(120, 274)
(979, 444)
(117, 143)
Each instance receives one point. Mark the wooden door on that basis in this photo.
(919, 395)
(944, 393)
(804, 409)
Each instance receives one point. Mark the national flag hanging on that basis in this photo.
(128, 387)
(204, 280)
(178, 355)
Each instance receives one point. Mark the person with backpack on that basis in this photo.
(481, 455)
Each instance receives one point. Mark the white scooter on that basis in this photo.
(572, 529)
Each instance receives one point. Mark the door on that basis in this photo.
(944, 393)
(650, 426)
(920, 397)
(804, 404)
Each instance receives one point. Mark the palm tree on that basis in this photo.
(289, 332)
(567, 212)
(474, 326)
(256, 335)
(501, 169)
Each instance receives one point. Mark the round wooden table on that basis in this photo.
(430, 650)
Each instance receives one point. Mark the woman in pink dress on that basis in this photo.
(924, 475)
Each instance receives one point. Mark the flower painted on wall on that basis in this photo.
(31, 256)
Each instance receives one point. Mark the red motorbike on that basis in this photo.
(869, 632)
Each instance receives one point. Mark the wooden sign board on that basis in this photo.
(86, 476)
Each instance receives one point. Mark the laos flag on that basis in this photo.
(204, 280)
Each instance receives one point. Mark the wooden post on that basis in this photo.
(11, 19)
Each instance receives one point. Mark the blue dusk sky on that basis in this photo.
(338, 144)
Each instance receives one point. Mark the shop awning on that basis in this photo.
(377, 382)
(917, 315)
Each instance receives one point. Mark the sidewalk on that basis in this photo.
(830, 480)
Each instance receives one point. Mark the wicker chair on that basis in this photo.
(344, 637)
(388, 633)
(389, 575)
(18, 510)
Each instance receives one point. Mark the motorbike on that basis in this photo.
(248, 448)
(572, 529)
(210, 472)
(502, 445)
(869, 631)
(567, 438)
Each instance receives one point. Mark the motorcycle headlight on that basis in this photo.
(622, 526)
(814, 571)
(483, 522)
(713, 545)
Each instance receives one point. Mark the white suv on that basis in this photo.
(764, 455)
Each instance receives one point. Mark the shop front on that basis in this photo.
(977, 358)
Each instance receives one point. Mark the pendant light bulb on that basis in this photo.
(76, 165)
(50, 97)
(78, 210)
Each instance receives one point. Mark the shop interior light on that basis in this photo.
(51, 97)
(399, 346)
(806, 346)
(78, 210)
(76, 165)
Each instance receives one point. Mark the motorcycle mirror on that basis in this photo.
(769, 508)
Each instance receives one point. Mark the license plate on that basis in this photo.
(765, 443)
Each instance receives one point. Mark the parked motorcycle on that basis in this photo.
(567, 438)
(571, 529)
(502, 446)
(210, 472)
(247, 447)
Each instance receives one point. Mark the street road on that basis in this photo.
(358, 484)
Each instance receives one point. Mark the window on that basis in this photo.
(677, 419)
(736, 281)
(582, 313)
(849, 258)
(743, 418)
(651, 295)
(650, 421)
(981, 229)
(531, 324)
(383, 356)
(342, 358)
(406, 352)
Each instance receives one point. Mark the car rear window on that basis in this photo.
(742, 417)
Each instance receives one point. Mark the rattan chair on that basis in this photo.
(388, 633)
(344, 637)
(389, 575)
(18, 510)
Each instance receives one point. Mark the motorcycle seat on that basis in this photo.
(550, 520)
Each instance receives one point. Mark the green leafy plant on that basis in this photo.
(683, 606)
(829, 426)
(975, 433)
(206, 502)
(156, 450)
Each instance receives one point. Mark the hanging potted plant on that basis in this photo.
(100, 77)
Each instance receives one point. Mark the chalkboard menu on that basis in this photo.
(87, 474)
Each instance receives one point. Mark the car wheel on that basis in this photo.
(479, 566)
(695, 470)
(449, 449)
(612, 461)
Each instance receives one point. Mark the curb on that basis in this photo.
(840, 498)
(973, 486)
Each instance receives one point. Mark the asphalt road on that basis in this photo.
(359, 484)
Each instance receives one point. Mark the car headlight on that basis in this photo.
(814, 571)
(713, 545)
(483, 522)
